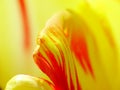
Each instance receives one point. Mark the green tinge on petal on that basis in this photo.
(26, 82)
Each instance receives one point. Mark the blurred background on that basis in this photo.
(20, 22)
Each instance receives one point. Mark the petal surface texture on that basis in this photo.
(79, 49)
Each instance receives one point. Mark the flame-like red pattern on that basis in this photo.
(54, 69)
(59, 49)
(79, 47)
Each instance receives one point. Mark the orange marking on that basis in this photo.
(25, 23)
(79, 47)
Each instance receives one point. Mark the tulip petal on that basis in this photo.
(54, 56)
(26, 82)
(76, 50)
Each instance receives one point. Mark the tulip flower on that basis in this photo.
(20, 20)
(78, 50)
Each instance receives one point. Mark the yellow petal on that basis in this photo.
(26, 82)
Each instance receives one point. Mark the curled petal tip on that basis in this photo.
(26, 82)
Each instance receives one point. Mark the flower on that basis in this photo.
(20, 20)
(79, 49)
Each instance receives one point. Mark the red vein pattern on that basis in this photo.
(54, 64)
(25, 24)
(56, 51)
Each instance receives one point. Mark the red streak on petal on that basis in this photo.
(25, 23)
(79, 47)
(63, 64)
(54, 65)
(77, 81)
(58, 72)
(62, 56)
(42, 63)
(71, 83)
(72, 86)
(54, 71)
